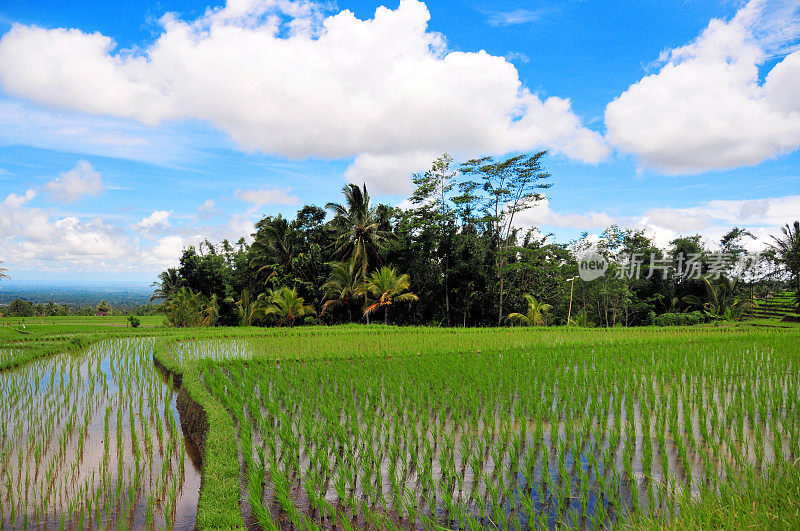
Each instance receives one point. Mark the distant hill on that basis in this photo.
(75, 293)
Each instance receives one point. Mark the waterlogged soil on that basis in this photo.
(647, 450)
(93, 440)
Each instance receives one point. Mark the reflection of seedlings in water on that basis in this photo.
(92, 440)
(571, 436)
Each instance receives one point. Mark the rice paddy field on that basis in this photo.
(92, 440)
(406, 428)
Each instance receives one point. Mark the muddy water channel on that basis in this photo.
(93, 440)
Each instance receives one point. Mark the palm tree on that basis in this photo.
(288, 306)
(103, 308)
(723, 303)
(210, 313)
(788, 249)
(248, 309)
(360, 236)
(273, 247)
(386, 288)
(342, 287)
(168, 283)
(537, 313)
(3, 273)
(580, 319)
(187, 307)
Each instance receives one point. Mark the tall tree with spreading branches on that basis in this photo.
(431, 198)
(507, 188)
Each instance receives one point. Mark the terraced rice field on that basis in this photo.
(387, 428)
(92, 440)
(558, 432)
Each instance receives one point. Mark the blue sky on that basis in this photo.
(126, 134)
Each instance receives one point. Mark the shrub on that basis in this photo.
(134, 321)
(666, 319)
(679, 319)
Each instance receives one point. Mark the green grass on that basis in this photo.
(218, 506)
(79, 321)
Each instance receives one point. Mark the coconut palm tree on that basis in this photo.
(342, 287)
(787, 247)
(360, 236)
(185, 307)
(536, 315)
(273, 247)
(247, 308)
(168, 283)
(723, 302)
(288, 306)
(386, 288)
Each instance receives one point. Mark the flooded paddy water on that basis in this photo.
(93, 440)
(516, 439)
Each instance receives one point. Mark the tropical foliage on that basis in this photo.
(359, 233)
(787, 245)
(536, 314)
(287, 306)
(458, 244)
(190, 308)
(342, 290)
(385, 288)
(168, 283)
(249, 309)
(723, 301)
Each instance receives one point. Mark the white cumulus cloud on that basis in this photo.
(542, 214)
(31, 237)
(267, 196)
(706, 107)
(15, 201)
(78, 182)
(158, 220)
(281, 78)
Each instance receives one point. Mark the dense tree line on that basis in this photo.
(456, 257)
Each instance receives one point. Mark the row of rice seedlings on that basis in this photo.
(7, 354)
(356, 342)
(574, 435)
(90, 440)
